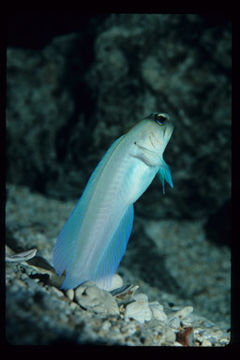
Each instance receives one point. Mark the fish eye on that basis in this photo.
(159, 118)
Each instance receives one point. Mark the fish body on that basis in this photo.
(94, 238)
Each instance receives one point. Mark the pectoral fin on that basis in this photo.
(165, 175)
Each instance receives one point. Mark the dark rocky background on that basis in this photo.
(76, 83)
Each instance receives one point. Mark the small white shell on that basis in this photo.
(157, 311)
(139, 309)
(20, 257)
(70, 294)
(141, 298)
(89, 296)
(117, 282)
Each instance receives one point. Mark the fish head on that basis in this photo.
(155, 132)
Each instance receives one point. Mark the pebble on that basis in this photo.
(176, 343)
(141, 298)
(157, 311)
(139, 309)
(224, 341)
(59, 293)
(90, 297)
(206, 343)
(117, 282)
(181, 316)
(170, 336)
(186, 322)
(124, 294)
(212, 340)
(70, 294)
(184, 312)
(174, 322)
(129, 328)
(106, 325)
(73, 306)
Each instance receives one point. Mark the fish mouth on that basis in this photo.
(167, 132)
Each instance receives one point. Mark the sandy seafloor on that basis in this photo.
(171, 261)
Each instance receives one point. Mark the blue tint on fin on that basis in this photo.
(67, 241)
(64, 253)
(165, 175)
(68, 238)
(113, 254)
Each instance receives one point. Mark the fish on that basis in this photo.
(94, 238)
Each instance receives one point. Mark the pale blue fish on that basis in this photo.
(93, 241)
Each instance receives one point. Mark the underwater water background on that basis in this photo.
(77, 82)
(80, 82)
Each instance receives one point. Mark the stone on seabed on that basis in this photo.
(157, 311)
(89, 296)
(139, 309)
(117, 282)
